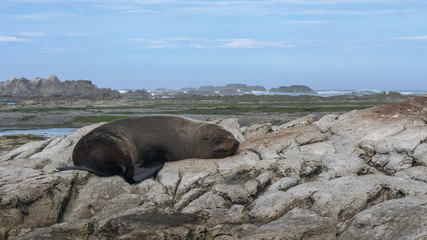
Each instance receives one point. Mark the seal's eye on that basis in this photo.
(218, 140)
(206, 138)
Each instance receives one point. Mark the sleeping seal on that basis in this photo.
(137, 148)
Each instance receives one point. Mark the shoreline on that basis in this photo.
(60, 116)
(75, 112)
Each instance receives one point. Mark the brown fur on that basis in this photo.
(136, 148)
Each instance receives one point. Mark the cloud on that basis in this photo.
(31, 34)
(269, 7)
(249, 43)
(78, 34)
(228, 8)
(42, 16)
(201, 43)
(52, 50)
(414, 38)
(155, 44)
(305, 22)
(12, 39)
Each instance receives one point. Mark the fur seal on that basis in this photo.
(137, 148)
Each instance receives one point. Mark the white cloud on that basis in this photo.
(12, 39)
(414, 38)
(305, 22)
(77, 34)
(249, 43)
(152, 43)
(31, 34)
(276, 7)
(201, 43)
(227, 7)
(49, 50)
(43, 15)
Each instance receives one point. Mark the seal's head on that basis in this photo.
(218, 142)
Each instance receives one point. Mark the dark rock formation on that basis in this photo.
(52, 86)
(293, 89)
(137, 94)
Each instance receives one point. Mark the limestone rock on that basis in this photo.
(420, 154)
(257, 130)
(296, 224)
(298, 122)
(206, 201)
(403, 218)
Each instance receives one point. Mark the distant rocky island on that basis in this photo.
(52, 86)
(293, 89)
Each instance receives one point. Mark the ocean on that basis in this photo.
(330, 93)
(48, 132)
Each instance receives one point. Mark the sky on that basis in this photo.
(143, 44)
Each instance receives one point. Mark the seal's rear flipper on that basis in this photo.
(142, 172)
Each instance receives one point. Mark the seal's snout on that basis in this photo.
(233, 145)
(236, 144)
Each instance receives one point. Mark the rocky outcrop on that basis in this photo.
(10, 142)
(293, 89)
(52, 86)
(360, 175)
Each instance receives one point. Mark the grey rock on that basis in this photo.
(206, 201)
(236, 193)
(188, 197)
(150, 190)
(339, 165)
(23, 201)
(307, 120)
(420, 154)
(326, 122)
(92, 196)
(320, 148)
(50, 86)
(191, 180)
(360, 175)
(257, 130)
(416, 173)
(283, 184)
(232, 125)
(296, 224)
(403, 218)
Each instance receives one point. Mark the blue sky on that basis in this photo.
(325, 44)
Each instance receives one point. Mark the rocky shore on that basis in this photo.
(359, 175)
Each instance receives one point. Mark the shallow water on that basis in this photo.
(48, 132)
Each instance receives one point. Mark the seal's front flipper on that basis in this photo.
(142, 172)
